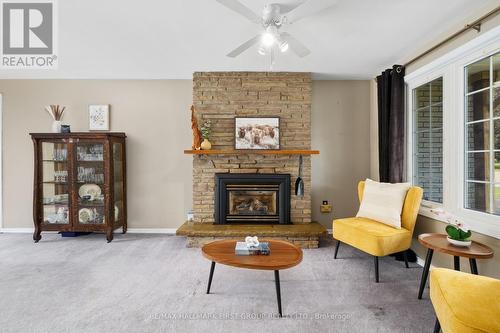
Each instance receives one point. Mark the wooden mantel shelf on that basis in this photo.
(246, 152)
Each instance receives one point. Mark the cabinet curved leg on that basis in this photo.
(37, 235)
(124, 228)
(109, 235)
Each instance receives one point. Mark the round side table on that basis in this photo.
(438, 242)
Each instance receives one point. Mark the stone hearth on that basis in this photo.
(305, 235)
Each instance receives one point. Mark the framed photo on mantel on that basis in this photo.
(99, 117)
(257, 133)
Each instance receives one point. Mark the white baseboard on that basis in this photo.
(22, 231)
(170, 231)
(17, 230)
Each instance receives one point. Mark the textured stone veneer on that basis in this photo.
(220, 96)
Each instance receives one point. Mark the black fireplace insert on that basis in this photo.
(252, 198)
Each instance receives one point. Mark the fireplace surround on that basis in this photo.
(252, 198)
(222, 96)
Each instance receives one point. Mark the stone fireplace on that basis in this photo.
(222, 96)
(252, 198)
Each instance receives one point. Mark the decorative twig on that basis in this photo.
(55, 111)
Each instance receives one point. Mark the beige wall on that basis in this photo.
(487, 267)
(154, 114)
(341, 130)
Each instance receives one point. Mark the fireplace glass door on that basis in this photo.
(259, 202)
(252, 198)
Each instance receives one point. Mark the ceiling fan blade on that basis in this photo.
(243, 47)
(307, 8)
(297, 47)
(241, 9)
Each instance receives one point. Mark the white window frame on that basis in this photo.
(451, 67)
(411, 86)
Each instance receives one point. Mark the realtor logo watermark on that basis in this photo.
(28, 34)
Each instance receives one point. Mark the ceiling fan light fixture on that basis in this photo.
(271, 40)
(268, 39)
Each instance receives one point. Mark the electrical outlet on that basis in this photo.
(325, 207)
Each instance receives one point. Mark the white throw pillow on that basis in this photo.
(383, 202)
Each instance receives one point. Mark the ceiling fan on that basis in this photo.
(274, 17)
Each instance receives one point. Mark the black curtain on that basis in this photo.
(391, 124)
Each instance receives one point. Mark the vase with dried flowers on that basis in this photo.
(56, 112)
(206, 130)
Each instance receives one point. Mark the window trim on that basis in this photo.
(451, 67)
(411, 128)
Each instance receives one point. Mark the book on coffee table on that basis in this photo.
(242, 249)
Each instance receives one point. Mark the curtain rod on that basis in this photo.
(476, 25)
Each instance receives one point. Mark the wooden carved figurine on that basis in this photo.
(196, 131)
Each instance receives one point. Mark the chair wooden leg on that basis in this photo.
(336, 249)
(405, 256)
(376, 268)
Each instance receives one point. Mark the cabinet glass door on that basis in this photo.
(55, 187)
(90, 182)
(118, 183)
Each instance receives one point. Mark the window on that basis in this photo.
(428, 139)
(453, 138)
(482, 135)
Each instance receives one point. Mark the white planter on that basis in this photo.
(459, 243)
(56, 126)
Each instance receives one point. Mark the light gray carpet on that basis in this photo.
(151, 283)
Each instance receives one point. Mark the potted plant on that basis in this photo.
(206, 130)
(458, 232)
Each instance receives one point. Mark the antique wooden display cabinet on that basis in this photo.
(80, 183)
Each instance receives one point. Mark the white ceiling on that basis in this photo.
(148, 39)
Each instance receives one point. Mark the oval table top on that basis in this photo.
(283, 255)
(439, 243)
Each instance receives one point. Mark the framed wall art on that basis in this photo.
(257, 133)
(99, 117)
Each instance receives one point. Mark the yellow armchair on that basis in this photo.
(376, 238)
(464, 302)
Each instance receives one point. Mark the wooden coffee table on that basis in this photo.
(439, 243)
(283, 255)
